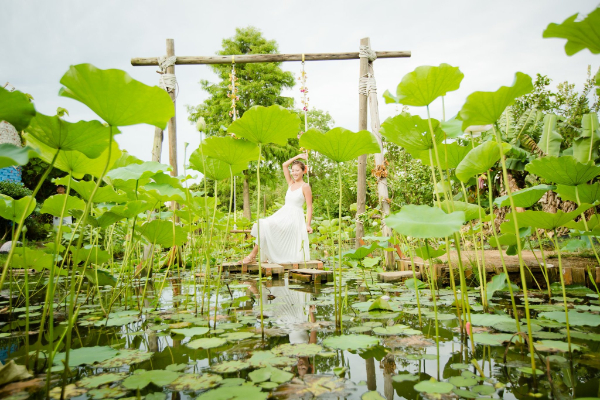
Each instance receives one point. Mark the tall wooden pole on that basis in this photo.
(172, 121)
(157, 145)
(361, 184)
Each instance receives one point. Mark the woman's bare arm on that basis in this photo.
(286, 166)
(309, 206)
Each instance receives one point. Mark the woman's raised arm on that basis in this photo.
(286, 165)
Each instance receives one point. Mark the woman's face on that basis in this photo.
(297, 172)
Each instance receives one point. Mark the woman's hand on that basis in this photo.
(303, 156)
(309, 229)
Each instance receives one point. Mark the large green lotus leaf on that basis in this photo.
(411, 132)
(350, 342)
(585, 146)
(428, 252)
(213, 168)
(593, 224)
(450, 155)
(422, 221)
(584, 34)
(14, 155)
(480, 159)
(165, 192)
(133, 172)
(131, 209)
(86, 355)
(54, 204)
(483, 108)
(16, 108)
(104, 194)
(265, 125)
(550, 140)
(229, 150)
(525, 197)
(100, 278)
(195, 382)
(433, 387)
(297, 350)
(25, 257)
(108, 218)
(546, 220)
(472, 211)
(116, 97)
(206, 343)
(575, 318)
(588, 193)
(361, 252)
(191, 332)
(141, 378)
(91, 254)
(565, 170)
(89, 137)
(161, 232)
(425, 84)
(340, 144)
(174, 181)
(452, 128)
(13, 210)
(244, 392)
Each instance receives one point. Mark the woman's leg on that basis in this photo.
(252, 256)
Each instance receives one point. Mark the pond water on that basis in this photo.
(173, 351)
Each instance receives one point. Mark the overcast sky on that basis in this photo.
(488, 40)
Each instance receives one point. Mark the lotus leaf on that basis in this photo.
(86, 355)
(234, 393)
(91, 254)
(480, 159)
(412, 133)
(70, 391)
(483, 390)
(161, 233)
(587, 193)
(229, 150)
(350, 342)
(461, 381)
(452, 127)
(25, 257)
(229, 325)
(13, 210)
(230, 366)
(524, 197)
(482, 108)
(580, 34)
(434, 387)
(550, 140)
(108, 393)
(191, 332)
(16, 108)
(391, 330)
(117, 98)
(133, 172)
(11, 372)
(213, 168)
(360, 329)
(362, 251)
(141, 378)
(165, 192)
(564, 170)
(492, 339)
(265, 125)
(451, 155)
(54, 204)
(422, 221)
(232, 382)
(206, 343)
(314, 386)
(126, 357)
(131, 209)
(104, 194)
(237, 336)
(575, 318)
(372, 395)
(195, 382)
(425, 84)
(339, 144)
(11, 155)
(269, 359)
(297, 350)
(472, 211)
(88, 137)
(405, 378)
(546, 220)
(381, 304)
(379, 315)
(554, 346)
(529, 371)
(490, 319)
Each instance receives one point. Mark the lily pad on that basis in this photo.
(434, 387)
(87, 355)
(206, 343)
(575, 318)
(372, 395)
(297, 350)
(126, 357)
(142, 378)
(190, 332)
(461, 381)
(270, 359)
(230, 366)
(492, 339)
(93, 381)
(237, 336)
(196, 382)
(314, 386)
(405, 378)
(554, 346)
(391, 330)
(234, 393)
(107, 393)
(350, 342)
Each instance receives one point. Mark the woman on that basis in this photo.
(284, 235)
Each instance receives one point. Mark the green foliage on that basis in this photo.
(411, 132)
(580, 35)
(265, 125)
(480, 159)
(11, 155)
(16, 190)
(16, 108)
(340, 144)
(565, 170)
(425, 222)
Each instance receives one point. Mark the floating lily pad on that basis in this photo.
(391, 330)
(467, 394)
(372, 395)
(350, 342)
(511, 327)
(126, 357)
(190, 332)
(206, 343)
(70, 391)
(492, 339)
(461, 381)
(575, 318)
(230, 366)
(460, 366)
(529, 371)
(490, 319)
(554, 346)
(196, 382)
(314, 386)
(434, 387)
(379, 315)
(232, 382)
(405, 378)
(483, 390)
(229, 325)
(107, 393)
(141, 378)
(234, 393)
(92, 382)
(237, 336)
(297, 350)
(87, 355)
(270, 359)
(360, 329)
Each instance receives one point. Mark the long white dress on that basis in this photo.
(283, 236)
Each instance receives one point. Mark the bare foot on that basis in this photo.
(249, 259)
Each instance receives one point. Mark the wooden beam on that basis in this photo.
(262, 58)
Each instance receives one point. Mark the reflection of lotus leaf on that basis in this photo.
(554, 345)
(234, 393)
(230, 366)
(196, 382)
(141, 378)
(297, 350)
(405, 378)
(372, 395)
(575, 318)
(237, 336)
(434, 387)
(87, 355)
(127, 357)
(315, 385)
(391, 330)
(268, 358)
(107, 393)
(206, 343)
(269, 373)
(460, 366)
(190, 332)
(94, 381)
(350, 342)
(492, 339)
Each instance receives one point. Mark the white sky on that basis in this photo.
(488, 40)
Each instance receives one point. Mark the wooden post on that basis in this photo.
(157, 145)
(380, 167)
(361, 184)
(172, 121)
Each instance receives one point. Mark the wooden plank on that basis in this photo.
(308, 271)
(396, 276)
(579, 275)
(597, 277)
(300, 277)
(265, 58)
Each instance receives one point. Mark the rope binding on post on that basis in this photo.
(167, 81)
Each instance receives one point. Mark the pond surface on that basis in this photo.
(173, 351)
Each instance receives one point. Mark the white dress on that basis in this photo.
(283, 236)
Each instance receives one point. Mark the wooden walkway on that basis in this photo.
(253, 267)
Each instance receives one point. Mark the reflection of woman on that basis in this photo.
(304, 366)
(284, 235)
